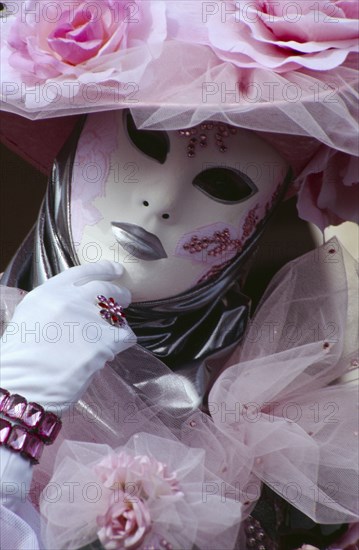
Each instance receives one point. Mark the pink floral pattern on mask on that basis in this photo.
(91, 169)
(216, 245)
(225, 247)
(207, 245)
(250, 222)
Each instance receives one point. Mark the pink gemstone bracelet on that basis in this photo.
(45, 425)
(17, 439)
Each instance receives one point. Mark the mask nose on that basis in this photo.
(162, 197)
(161, 211)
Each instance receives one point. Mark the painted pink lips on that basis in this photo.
(138, 242)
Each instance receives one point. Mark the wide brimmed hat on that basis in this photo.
(278, 67)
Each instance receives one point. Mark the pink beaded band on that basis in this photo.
(46, 425)
(17, 439)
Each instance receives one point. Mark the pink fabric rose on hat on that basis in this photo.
(282, 35)
(52, 39)
(329, 189)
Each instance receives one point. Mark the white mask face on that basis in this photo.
(170, 218)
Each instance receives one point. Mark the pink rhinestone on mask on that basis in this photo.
(198, 136)
(221, 240)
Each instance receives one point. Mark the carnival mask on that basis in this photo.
(173, 207)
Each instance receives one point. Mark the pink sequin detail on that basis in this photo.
(249, 225)
(274, 198)
(213, 272)
(220, 243)
(250, 222)
(198, 136)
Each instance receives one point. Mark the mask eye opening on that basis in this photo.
(225, 185)
(3, 10)
(155, 144)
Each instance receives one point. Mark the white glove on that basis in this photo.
(57, 340)
(15, 475)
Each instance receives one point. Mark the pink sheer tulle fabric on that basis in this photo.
(295, 414)
(180, 63)
(195, 89)
(274, 67)
(144, 410)
(281, 413)
(164, 479)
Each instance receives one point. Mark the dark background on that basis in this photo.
(21, 191)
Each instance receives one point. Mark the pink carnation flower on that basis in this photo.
(282, 35)
(73, 38)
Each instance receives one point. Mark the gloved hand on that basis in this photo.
(15, 475)
(56, 340)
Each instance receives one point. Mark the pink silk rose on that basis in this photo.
(148, 475)
(282, 35)
(329, 195)
(73, 38)
(151, 495)
(124, 525)
(136, 482)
